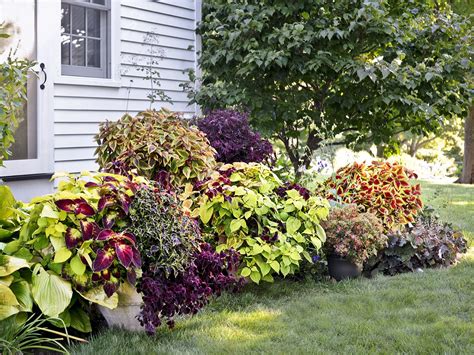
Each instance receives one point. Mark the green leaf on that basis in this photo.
(77, 266)
(264, 267)
(62, 255)
(205, 213)
(10, 264)
(235, 225)
(293, 225)
(97, 295)
(51, 293)
(245, 272)
(48, 212)
(8, 302)
(22, 291)
(80, 320)
(7, 202)
(275, 265)
(255, 276)
(12, 247)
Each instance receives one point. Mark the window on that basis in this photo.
(85, 44)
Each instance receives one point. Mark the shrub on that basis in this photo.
(75, 241)
(381, 188)
(229, 133)
(152, 142)
(241, 206)
(185, 293)
(14, 74)
(353, 234)
(426, 244)
(166, 237)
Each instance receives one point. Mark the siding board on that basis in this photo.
(79, 109)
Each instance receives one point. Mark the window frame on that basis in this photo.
(43, 164)
(104, 72)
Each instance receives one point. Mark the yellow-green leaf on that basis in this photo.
(62, 255)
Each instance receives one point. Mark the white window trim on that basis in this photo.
(114, 80)
(44, 163)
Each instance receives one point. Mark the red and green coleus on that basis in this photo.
(81, 233)
(383, 188)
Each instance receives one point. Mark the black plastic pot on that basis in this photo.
(341, 268)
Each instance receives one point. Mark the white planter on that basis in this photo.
(125, 315)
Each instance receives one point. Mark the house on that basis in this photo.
(97, 59)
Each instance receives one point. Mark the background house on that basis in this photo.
(95, 55)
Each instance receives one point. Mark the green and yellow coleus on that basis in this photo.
(242, 206)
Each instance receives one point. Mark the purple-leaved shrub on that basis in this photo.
(230, 135)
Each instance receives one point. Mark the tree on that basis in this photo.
(349, 71)
(467, 176)
(466, 7)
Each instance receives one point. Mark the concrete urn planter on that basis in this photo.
(125, 315)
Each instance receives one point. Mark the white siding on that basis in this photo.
(78, 109)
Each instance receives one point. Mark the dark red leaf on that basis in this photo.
(106, 201)
(108, 221)
(67, 205)
(106, 234)
(132, 276)
(85, 209)
(110, 288)
(71, 240)
(110, 178)
(137, 260)
(125, 201)
(124, 253)
(89, 230)
(130, 237)
(91, 184)
(103, 260)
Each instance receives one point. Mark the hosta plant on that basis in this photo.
(427, 243)
(152, 142)
(242, 206)
(75, 241)
(230, 134)
(353, 235)
(382, 188)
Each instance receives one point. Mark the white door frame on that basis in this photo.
(46, 37)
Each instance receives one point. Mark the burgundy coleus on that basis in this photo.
(121, 245)
(76, 206)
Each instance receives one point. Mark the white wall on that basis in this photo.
(79, 108)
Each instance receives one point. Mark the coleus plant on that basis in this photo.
(79, 235)
(382, 188)
(273, 226)
(152, 142)
(230, 135)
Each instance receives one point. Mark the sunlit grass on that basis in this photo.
(418, 313)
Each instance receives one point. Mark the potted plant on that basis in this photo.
(352, 237)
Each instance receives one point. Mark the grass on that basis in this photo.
(423, 313)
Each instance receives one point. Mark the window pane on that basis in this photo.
(93, 53)
(78, 49)
(65, 18)
(78, 22)
(93, 23)
(65, 49)
(99, 2)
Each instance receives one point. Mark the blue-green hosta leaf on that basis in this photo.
(51, 293)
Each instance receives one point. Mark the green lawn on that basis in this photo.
(424, 313)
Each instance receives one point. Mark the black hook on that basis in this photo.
(42, 86)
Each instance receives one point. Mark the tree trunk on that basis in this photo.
(467, 176)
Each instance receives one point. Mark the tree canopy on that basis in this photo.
(351, 71)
